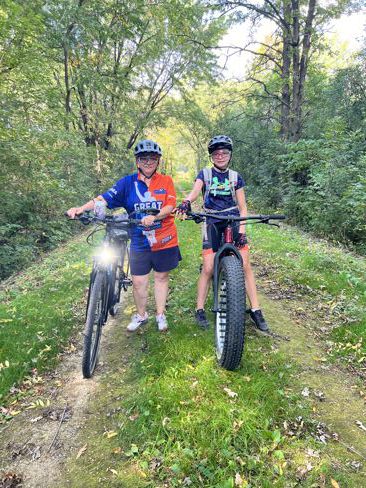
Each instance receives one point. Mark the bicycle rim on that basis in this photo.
(221, 317)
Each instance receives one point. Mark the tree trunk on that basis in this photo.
(285, 74)
(67, 84)
(303, 68)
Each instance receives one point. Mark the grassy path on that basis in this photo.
(160, 413)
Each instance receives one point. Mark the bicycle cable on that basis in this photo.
(89, 239)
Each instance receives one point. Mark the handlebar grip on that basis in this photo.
(276, 217)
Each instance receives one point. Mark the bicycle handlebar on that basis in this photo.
(234, 218)
(116, 220)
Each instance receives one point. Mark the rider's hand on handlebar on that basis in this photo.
(241, 241)
(74, 211)
(182, 209)
(148, 220)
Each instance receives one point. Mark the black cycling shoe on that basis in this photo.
(259, 321)
(201, 319)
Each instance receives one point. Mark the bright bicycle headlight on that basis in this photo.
(106, 255)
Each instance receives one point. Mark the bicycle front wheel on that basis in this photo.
(230, 318)
(93, 326)
(116, 279)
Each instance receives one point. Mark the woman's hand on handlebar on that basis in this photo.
(148, 220)
(74, 211)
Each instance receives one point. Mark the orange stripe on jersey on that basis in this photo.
(162, 189)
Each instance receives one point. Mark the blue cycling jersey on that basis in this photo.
(136, 197)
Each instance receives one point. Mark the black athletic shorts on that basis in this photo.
(213, 234)
(142, 262)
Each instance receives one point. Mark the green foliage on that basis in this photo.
(323, 184)
(79, 82)
(318, 182)
(39, 312)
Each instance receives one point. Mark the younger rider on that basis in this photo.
(223, 192)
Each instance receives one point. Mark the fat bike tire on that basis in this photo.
(230, 318)
(93, 325)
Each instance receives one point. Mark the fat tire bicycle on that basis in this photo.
(229, 288)
(109, 276)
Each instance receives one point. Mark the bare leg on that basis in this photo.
(250, 285)
(161, 288)
(140, 292)
(204, 279)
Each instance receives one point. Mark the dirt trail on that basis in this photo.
(40, 453)
(37, 443)
(337, 400)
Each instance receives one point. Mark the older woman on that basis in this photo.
(154, 244)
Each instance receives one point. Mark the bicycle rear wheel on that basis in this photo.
(230, 319)
(93, 326)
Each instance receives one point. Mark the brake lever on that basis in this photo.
(270, 223)
(85, 220)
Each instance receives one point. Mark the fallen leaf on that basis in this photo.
(239, 481)
(334, 483)
(319, 395)
(360, 425)
(81, 451)
(36, 419)
(14, 412)
(165, 421)
(110, 434)
(231, 394)
(305, 392)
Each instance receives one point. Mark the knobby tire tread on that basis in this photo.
(90, 349)
(235, 309)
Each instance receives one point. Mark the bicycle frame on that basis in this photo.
(110, 241)
(228, 248)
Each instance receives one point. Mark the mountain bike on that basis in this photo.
(229, 288)
(109, 276)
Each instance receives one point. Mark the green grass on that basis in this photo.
(322, 274)
(184, 421)
(39, 312)
(179, 423)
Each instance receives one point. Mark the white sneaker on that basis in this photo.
(161, 322)
(136, 322)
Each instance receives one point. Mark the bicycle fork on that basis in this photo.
(227, 249)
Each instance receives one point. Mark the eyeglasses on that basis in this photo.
(221, 153)
(148, 160)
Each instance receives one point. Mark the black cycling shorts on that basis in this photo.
(142, 262)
